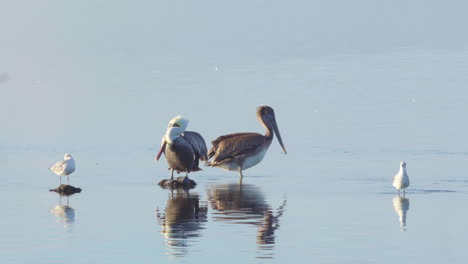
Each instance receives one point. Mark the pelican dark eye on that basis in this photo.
(175, 125)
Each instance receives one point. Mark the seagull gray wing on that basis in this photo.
(59, 166)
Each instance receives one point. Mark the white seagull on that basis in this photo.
(401, 179)
(64, 167)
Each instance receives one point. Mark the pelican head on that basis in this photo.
(266, 116)
(179, 121)
(403, 164)
(67, 157)
(176, 127)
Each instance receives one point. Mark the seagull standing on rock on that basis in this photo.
(64, 167)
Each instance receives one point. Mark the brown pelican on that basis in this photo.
(183, 149)
(240, 151)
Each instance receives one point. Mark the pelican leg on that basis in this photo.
(172, 174)
(240, 176)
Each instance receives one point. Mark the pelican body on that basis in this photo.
(401, 179)
(240, 151)
(64, 167)
(183, 149)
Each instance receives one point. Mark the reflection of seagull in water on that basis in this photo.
(64, 213)
(401, 207)
(401, 179)
(64, 167)
(181, 221)
(240, 204)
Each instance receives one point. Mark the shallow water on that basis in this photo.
(328, 213)
(102, 83)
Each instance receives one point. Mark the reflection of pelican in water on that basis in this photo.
(401, 207)
(181, 221)
(237, 203)
(64, 213)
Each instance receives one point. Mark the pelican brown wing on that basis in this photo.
(234, 146)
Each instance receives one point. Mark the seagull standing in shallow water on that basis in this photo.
(64, 167)
(401, 179)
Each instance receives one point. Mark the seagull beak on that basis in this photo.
(161, 150)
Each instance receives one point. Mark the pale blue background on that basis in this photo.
(357, 86)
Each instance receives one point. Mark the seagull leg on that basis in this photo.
(172, 174)
(68, 179)
(240, 176)
(60, 180)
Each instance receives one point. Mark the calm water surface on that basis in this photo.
(355, 90)
(339, 208)
(328, 200)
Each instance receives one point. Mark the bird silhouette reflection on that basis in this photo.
(63, 212)
(182, 221)
(246, 204)
(401, 207)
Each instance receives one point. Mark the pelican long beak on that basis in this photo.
(278, 135)
(161, 150)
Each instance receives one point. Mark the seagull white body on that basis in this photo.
(401, 179)
(64, 167)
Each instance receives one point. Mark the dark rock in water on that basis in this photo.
(179, 182)
(66, 190)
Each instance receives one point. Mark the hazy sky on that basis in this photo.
(100, 71)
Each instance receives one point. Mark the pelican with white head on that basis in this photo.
(182, 149)
(176, 127)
